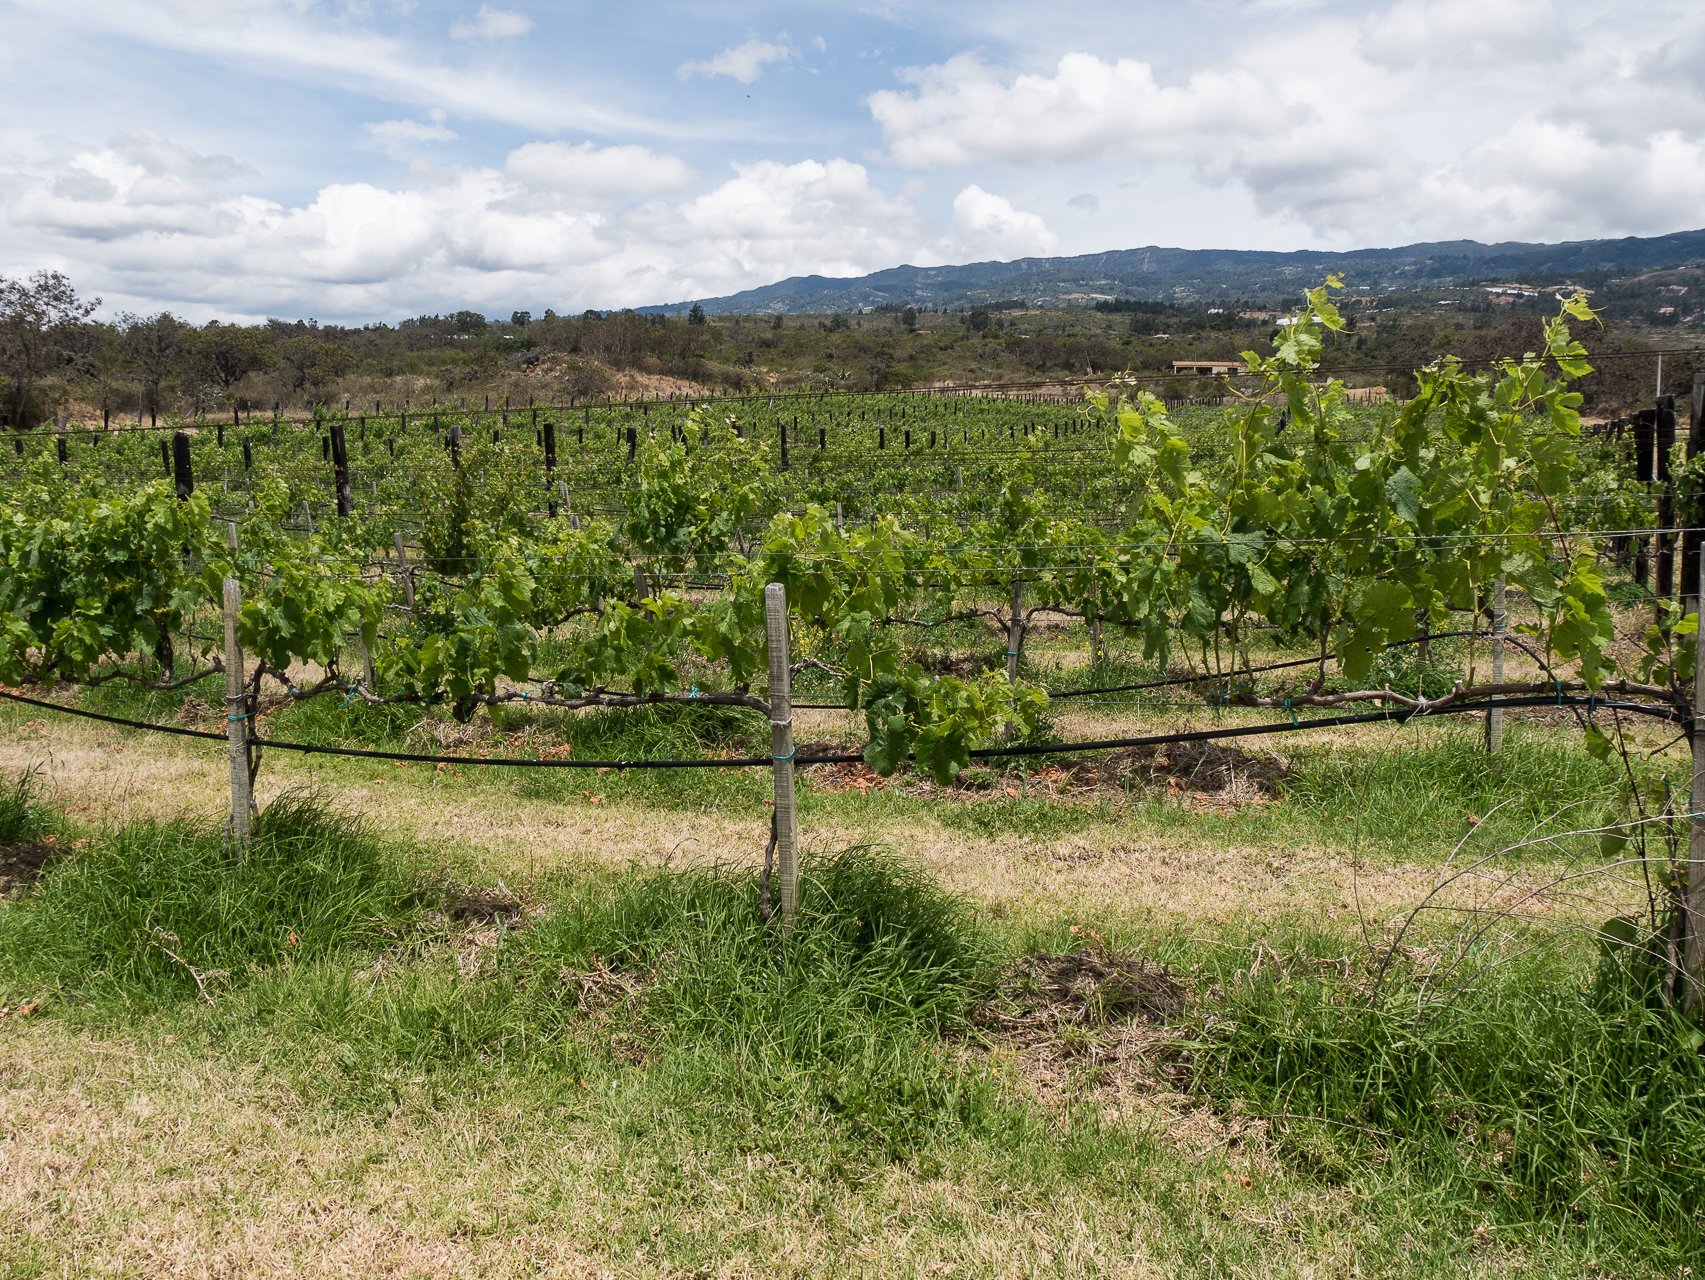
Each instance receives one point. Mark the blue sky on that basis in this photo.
(379, 158)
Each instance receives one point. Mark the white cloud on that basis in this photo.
(157, 157)
(819, 44)
(1087, 201)
(965, 112)
(544, 231)
(986, 226)
(744, 63)
(1549, 178)
(492, 24)
(597, 173)
(316, 44)
(399, 135)
(1465, 34)
(1427, 118)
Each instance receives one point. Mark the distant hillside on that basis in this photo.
(1157, 274)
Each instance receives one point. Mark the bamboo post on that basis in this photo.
(781, 751)
(1693, 906)
(1495, 713)
(236, 718)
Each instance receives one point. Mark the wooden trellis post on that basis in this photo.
(236, 717)
(1693, 905)
(1495, 713)
(781, 752)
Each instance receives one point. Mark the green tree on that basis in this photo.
(227, 353)
(696, 315)
(153, 346)
(39, 322)
(312, 362)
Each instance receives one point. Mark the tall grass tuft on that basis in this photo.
(1514, 1091)
(1431, 780)
(835, 1013)
(146, 913)
(24, 814)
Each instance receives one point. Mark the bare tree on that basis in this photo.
(39, 322)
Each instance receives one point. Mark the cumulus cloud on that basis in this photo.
(986, 226)
(744, 63)
(1438, 118)
(965, 112)
(157, 157)
(486, 235)
(1551, 178)
(492, 24)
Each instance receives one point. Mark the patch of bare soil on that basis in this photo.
(1205, 771)
(1201, 766)
(21, 865)
(469, 923)
(1090, 1022)
(1089, 988)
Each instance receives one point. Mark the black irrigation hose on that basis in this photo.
(1053, 749)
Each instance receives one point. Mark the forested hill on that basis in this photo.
(1155, 274)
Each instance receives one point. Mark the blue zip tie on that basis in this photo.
(244, 716)
(789, 755)
(1293, 714)
(1559, 685)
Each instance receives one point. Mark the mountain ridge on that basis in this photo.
(1160, 273)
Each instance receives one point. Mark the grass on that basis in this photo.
(24, 814)
(645, 1080)
(1434, 780)
(1509, 1089)
(153, 912)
